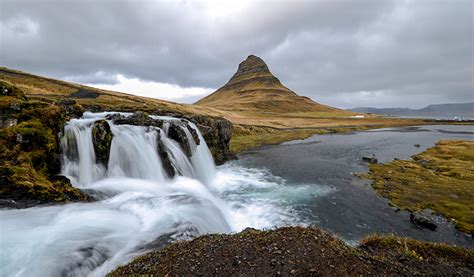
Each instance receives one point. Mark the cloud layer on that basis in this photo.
(342, 53)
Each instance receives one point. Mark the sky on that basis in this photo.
(391, 53)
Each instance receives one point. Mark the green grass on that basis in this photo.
(247, 137)
(440, 179)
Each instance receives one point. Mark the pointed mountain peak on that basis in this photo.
(254, 88)
(252, 63)
(252, 69)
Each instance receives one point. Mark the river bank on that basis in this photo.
(300, 252)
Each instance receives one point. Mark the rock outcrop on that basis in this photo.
(170, 170)
(138, 118)
(217, 133)
(29, 150)
(102, 140)
(423, 221)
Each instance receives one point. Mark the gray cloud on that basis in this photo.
(343, 53)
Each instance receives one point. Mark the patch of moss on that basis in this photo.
(247, 137)
(29, 158)
(440, 179)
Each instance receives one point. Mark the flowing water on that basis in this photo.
(138, 207)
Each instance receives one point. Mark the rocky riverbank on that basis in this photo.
(300, 251)
(440, 179)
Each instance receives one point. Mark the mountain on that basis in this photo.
(254, 88)
(454, 109)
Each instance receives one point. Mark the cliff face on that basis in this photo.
(254, 88)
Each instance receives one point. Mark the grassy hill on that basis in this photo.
(43, 88)
(253, 88)
(262, 109)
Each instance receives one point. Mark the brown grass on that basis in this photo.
(441, 179)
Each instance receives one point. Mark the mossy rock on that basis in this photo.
(29, 153)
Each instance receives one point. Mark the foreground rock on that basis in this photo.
(300, 252)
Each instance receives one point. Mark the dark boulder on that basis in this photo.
(177, 133)
(217, 133)
(372, 160)
(170, 170)
(193, 132)
(423, 221)
(138, 118)
(102, 139)
(71, 108)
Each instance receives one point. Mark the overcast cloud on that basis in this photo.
(341, 53)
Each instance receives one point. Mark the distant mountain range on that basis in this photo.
(454, 109)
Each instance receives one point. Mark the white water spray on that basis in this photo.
(139, 206)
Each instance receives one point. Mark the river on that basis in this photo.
(307, 182)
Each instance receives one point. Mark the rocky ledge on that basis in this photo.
(30, 130)
(29, 150)
(299, 251)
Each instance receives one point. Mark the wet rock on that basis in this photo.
(170, 170)
(138, 118)
(372, 160)
(423, 221)
(417, 145)
(102, 140)
(177, 133)
(217, 133)
(193, 132)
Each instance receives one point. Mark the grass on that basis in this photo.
(440, 179)
(247, 137)
(414, 249)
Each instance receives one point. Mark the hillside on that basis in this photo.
(254, 88)
(43, 88)
(267, 115)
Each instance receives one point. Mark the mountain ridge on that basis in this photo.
(433, 109)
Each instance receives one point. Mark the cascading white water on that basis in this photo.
(139, 206)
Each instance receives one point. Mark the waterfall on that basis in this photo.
(138, 205)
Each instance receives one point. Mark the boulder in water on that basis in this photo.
(176, 132)
(102, 139)
(372, 160)
(138, 118)
(423, 221)
(165, 158)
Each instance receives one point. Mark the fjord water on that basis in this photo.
(352, 209)
(138, 207)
